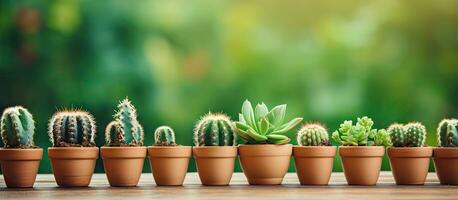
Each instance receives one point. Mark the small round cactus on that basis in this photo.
(164, 136)
(124, 130)
(214, 129)
(72, 128)
(17, 128)
(312, 135)
(397, 135)
(447, 133)
(415, 134)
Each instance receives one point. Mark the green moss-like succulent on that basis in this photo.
(124, 130)
(361, 134)
(313, 135)
(447, 133)
(164, 136)
(72, 128)
(214, 129)
(17, 128)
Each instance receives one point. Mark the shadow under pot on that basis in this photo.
(215, 164)
(169, 164)
(123, 165)
(409, 164)
(73, 166)
(20, 166)
(361, 164)
(265, 164)
(446, 164)
(314, 163)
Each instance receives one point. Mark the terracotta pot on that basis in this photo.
(20, 166)
(314, 163)
(361, 164)
(123, 165)
(265, 164)
(409, 164)
(73, 166)
(446, 163)
(215, 164)
(169, 164)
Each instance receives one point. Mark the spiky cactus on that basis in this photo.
(312, 135)
(215, 129)
(164, 136)
(124, 130)
(412, 134)
(447, 133)
(72, 128)
(397, 135)
(17, 128)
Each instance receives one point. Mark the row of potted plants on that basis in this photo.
(264, 156)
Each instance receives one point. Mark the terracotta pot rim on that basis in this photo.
(313, 147)
(128, 152)
(265, 150)
(21, 154)
(409, 152)
(170, 151)
(314, 151)
(445, 152)
(71, 153)
(213, 147)
(361, 151)
(171, 147)
(261, 145)
(215, 151)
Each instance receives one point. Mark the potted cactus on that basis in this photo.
(168, 161)
(74, 153)
(124, 154)
(214, 149)
(361, 150)
(445, 156)
(266, 154)
(409, 158)
(314, 157)
(19, 157)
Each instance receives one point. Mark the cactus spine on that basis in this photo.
(164, 136)
(447, 133)
(412, 134)
(124, 130)
(17, 128)
(215, 129)
(397, 135)
(312, 135)
(70, 128)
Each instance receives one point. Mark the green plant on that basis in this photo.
(410, 135)
(312, 135)
(17, 128)
(72, 128)
(447, 133)
(261, 126)
(214, 129)
(164, 136)
(397, 134)
(124, 130)
(361, 134)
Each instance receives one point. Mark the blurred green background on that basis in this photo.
(331, 60)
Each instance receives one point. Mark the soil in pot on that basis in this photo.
(361, 164)
(123, 165)
(314, 163)
(409, 164)
(446, 164)
(73, 166)
(265, 164)
(20, 166)
(215, 164)
(169, 164)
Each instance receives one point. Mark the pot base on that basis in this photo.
(265, 181)
(446, 164)
(215, 164)
(123, 165)
(20, 166)
(409, 165)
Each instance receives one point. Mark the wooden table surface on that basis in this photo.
(46, 188)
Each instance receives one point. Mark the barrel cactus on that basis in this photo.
(397, 135)
(164, 136)
(312, 135)
(17, 128)
(124, 130)
(214, 129)
(415, 134)
(72, 128)
(447, 133)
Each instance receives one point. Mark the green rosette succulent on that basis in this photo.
(361, 134)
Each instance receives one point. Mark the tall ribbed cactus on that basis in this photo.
(164, 136)
(214, 129)
(312, 135)
(447, 133)
(124, 130)
(397, 135)
(17, 128)
(71, 128)
(412, 134)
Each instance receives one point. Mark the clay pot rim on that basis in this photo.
(170, 151)
(215, 151)
(409, 152)
(361, 151)
(127, 152)
(314, 151)
(265, 150)
(445, 152)
(32, 154)
(73, 153)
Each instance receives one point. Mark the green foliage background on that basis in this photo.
(331, 60)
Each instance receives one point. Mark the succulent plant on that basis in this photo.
(312, 135)
(124, 130)
(361, 134)
(397, 134)
(215, 129)
(72, 128)
(17, 128)
(447, 133)
(164, 136)
(261, 126)
(415, 134)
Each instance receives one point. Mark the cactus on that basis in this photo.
(124, 130)
(361, 134)
(164, 136)
(447, 133)
(17, 128)
(397, 135)
(72, 128)
(312, 135)
(415, 134)
(215, 129)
